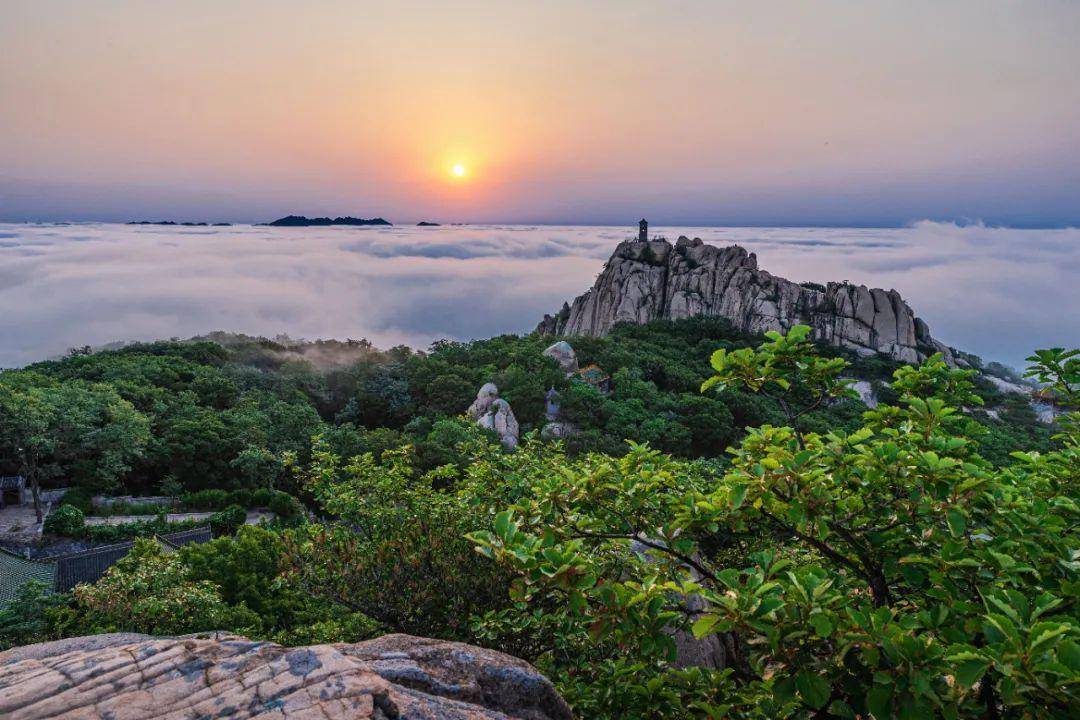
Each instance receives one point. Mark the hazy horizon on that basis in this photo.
(997, 292)
(697, 113)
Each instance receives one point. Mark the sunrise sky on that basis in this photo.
(727, 113)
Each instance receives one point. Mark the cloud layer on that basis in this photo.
(998, 292)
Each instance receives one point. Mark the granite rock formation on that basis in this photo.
(500, 418)
(487, 394)
(563, 354)
(655, 280)
(138, 677)
(491, 412)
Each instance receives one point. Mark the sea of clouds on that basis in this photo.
(998, 292)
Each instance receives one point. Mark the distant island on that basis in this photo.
(425, 223)
(301, 221)
(182, 224)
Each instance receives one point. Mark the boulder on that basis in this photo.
(138, 677)
(564, 355)
(558, 430)
(706, 652)
(500, 418)
(487, 395)
(866, 392)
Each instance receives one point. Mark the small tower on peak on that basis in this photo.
(643, 230)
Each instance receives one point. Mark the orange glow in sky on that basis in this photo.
(716, 111)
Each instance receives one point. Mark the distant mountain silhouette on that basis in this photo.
(301, 221)
(173, 222)
(425, 223)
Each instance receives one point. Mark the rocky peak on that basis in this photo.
(654, 280)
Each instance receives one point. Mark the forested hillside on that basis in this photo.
(732, 533)
(222, 412)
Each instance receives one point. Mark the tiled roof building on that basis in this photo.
(16, 572)
(88, 566)
(66, 571)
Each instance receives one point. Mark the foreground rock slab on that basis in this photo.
(136, 677)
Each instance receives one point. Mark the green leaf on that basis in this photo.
(822, 625)
(1043, 634)
(879, 701)
(704, 625)
(957, 522)
(714, 381)
(502, 523)
(813, 689)
(738, 494)
(1069, 655)
(969, 671)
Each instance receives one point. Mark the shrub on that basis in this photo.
(80, 498)
(150, 591)
(66, 520)
(399, 555)
(229, 520)
(28, 617)
(124, 507)
(139, 528)
(240, 497)
(261, 497)
(285, 506)
(210, 499)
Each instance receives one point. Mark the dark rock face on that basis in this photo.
(655, 280)
(301, 221)
(138, 677)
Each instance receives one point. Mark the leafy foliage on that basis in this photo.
(66, 520)
(398, 552)
(229, 520)
(915, 560)
(154, 592)
(28, 618)
(886, 572)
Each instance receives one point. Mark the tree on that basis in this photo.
(397, 552)
(229, 520)
(26, 417)
(887, 572)
(245, 569)
(28, 617)
(83, 432)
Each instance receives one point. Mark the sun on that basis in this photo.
(458, 170)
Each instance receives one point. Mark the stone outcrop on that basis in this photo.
(655, 280)
(488, 394)
(493, 413)
(558, 430)
(500, 418)
(865, 391)
(138, 677)
(690, 651)
(563, 354)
